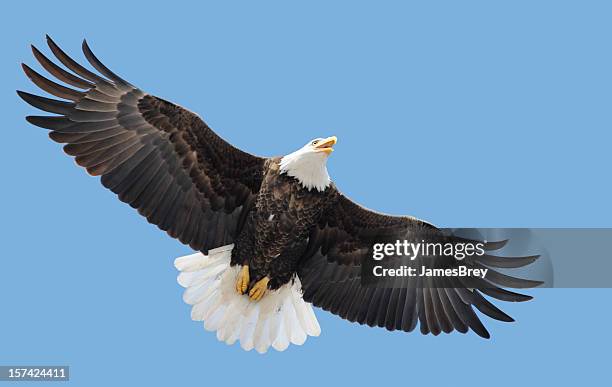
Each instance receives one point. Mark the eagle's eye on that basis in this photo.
(315, 142)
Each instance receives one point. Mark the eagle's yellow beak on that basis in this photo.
(326, 145)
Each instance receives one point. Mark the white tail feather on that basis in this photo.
(280, 318)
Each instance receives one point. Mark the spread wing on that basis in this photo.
(332, 268)
(156, 156)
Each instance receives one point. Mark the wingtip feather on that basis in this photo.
(50, 41)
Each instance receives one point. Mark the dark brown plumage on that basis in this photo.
(164, 161)
(159, 158)
(275, 236)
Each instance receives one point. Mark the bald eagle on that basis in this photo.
(273, 236)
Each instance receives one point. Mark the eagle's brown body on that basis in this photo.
(275, 235)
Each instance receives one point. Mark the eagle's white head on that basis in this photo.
(309, 163)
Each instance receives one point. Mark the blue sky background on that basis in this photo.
(471, 114)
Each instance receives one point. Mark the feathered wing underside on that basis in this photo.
(331, 276)
(158, 157)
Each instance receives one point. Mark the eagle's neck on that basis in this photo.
(310, 169)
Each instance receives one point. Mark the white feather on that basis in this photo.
(230, 320)
(197, 312)
(305, 315)
(261, 339)
(198, 293)
(275, 322)
(281, 317)
(282, 340)
(212, 322)
(248, 327)
(308, 167)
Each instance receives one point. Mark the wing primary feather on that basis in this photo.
(458, 305)
(430, 312)
(389, 318)
(505, 295)
(59, 72)
(495, 245)
(483, 305)
(475, 323)
(73, 65)
(423, 323)
(409, 316)
(488, 246)
(47, 104)
(88, 127)
(83, 138)
(450, 310)
(383, 307)
(464, 305)
(95, 62)
(399, 313)
(50, 86)
(49, 122)
(509, 281)
(443, 320)
(506, 262)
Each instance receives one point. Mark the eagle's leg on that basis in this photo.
(243, 280)
(259, 289)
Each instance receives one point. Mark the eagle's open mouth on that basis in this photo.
(327, 144)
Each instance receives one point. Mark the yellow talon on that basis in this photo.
(243, 280)
(259, 289)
